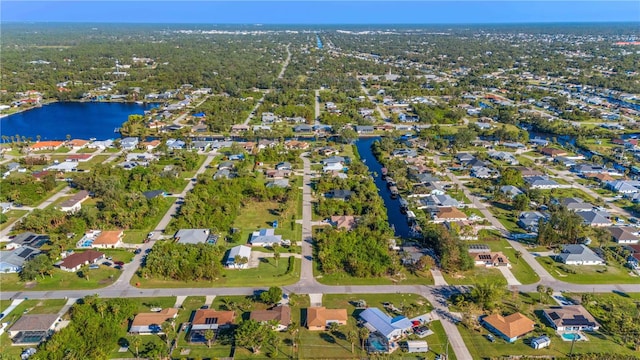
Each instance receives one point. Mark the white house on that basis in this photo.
(241, 251)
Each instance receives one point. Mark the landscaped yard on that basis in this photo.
(480, 347)
(520, 269)
(588, 274)
(62, 280)
(266, 274)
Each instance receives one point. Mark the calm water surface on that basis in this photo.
(80, 120)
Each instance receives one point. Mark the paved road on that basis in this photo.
(306, 273)
(5, 232)
(280, 75)
(372, 98)
(179, 119)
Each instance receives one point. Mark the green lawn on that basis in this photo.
(124, 255)
(62, 280)
(259, 215)
(266, 274)
(12, 216)
(96, 159)
(588, 274)
(507, 217)
(423, 278)
(413, 304)
(473, 276)
(86, 150)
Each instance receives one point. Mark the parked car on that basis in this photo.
(490, 338)
(118, 267)
(121, 263)
(106, 263)
(137, 251)
(94, 266)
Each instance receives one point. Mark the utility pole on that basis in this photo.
(573, 342)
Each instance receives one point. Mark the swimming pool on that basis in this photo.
(378, 345)
(571, 336)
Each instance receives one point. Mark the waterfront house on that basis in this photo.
(364, 129)
(45, 145)
(303, 128)
(578, 254)
(129, 143)
(151, 322)
(319, 318)
(448, 213)
(570, 318)
(510, 327)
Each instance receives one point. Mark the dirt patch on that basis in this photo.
(30, 284)
(105, 281)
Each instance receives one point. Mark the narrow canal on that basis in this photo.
(396, 218)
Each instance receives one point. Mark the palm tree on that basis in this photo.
(166, 330)
(352, 336)
(276, 256)
(209, 335)
(518, 254)
(363, 332)
(541, 290)
(135, 342)
(549, 292)
(38, 137)
(68, 137)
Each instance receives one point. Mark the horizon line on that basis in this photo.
(310, 23)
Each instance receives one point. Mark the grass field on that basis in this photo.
(96, 159)
(266, 274)
(260, 215)
(62, 280)
(12, 216)
(589, 274)
(424, 278)
(474, 276)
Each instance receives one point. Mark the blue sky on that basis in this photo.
(321, 12)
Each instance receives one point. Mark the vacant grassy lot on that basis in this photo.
(258, 215)
(474, 276)
(588, 274)
(266, 274)
(62, 280)
(422, 278)
(12, 216)
(96, 159)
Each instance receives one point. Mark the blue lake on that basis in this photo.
(80, 120)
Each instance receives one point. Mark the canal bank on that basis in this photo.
(396, 218)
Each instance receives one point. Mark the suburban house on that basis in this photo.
(208, 319)
(578, 254)
(540, 342)
(541, 182)
(318, 318)
(151, 322)
(551, 152)
(265, 237)
(277, 174)
(152, 194)
(12, 261)
(281, 314)
(343, 222)
(529, 220)
(511, 191)
(278, 183)
(448, 214)
(129, 143)
(333, 167)
(45, 145)
(338, 194)
(364, 129)
(27, 239)
(491, 259)
(75, 261)
(192, 236)
(624, 234)
(78, 157)
(570, 318)
(393, 329)
(509, 327)
(239, 251)
(77, 143)
(223, 174)
(285, 165)
(594, 218)
(108, 239)
(5, 207)
(623, 186)
(433, 200)
(32, 329)
(575, 204)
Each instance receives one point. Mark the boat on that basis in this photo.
(394, 192)
(384, 172)
(140, 102)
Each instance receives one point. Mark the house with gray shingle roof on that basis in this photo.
(578, 254)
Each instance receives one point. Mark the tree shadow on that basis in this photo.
(328, 338)
(123, 342)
